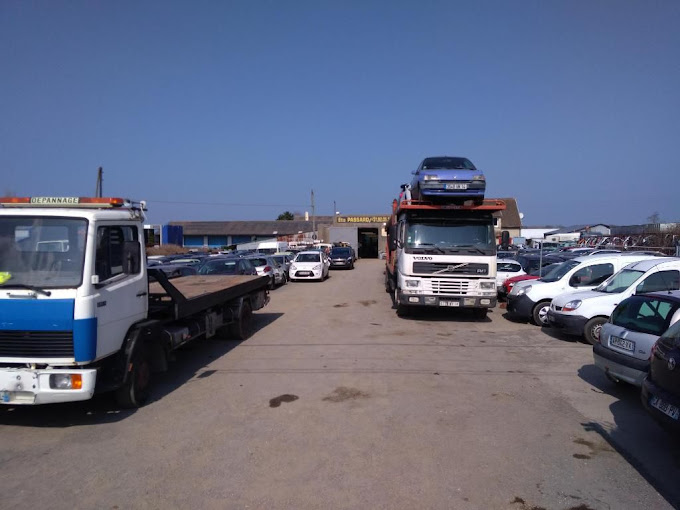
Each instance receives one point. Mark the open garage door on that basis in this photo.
(348, 235)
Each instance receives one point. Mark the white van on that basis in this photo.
(531, 299)
(584, 312)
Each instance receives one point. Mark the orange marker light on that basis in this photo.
(76, 382)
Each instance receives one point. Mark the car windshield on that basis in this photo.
(259, 262)
(308, 257)
(45, 252)
(219, 267)
(340, 252)
(556, 273)
(445, 236)
(280, 259)
(620, 281)
(448, 164)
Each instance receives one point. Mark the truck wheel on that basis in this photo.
(402, 310)
(137, 388)
(593, 328)
(242, 328)
(540, 313)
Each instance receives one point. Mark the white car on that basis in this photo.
(507, 268)
(584, 313)
(309, 265)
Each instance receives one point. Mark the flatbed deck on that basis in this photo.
(191, 294)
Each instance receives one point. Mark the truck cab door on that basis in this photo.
(122, 292)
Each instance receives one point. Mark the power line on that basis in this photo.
(222, 203)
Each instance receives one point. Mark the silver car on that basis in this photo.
(626, 341)
(265, 265)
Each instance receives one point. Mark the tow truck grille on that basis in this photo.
(36, 344)
(449, 286)
(447, 268)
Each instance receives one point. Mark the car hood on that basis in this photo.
(583, 295)
(450, 175)
(306, 264)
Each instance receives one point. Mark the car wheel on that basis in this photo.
(540, 313)
(593, 328)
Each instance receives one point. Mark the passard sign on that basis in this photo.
(363, 219)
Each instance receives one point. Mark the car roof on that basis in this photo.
(668, 295)
(316, 252)
(647, 264)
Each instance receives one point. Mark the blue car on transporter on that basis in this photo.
(448, 177)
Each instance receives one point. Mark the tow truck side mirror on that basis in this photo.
(392, 234)
(132, 256)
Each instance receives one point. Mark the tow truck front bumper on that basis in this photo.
(24, 386)
(447, 301)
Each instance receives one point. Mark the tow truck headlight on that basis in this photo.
(412, 283)
(571, 305)
(66, 381)
(487, 285)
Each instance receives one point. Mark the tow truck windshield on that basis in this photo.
(41, 252)
(449, 237)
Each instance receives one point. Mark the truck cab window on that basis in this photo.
(110, 250)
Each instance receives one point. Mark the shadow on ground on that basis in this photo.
(651, 451)
(190, 361)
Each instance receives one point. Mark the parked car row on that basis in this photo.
(632, 318)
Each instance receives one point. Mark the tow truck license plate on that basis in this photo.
(449, 303)
(665, 407)
(456, 186)
(621, 343)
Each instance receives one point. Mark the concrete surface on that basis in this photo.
(337, 403)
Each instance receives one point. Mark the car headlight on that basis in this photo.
(317, 267)
(412, 283)
(479, 178)
(292, 267)
(521, 290)
(430, 178)
(487, 285)
(571, 305)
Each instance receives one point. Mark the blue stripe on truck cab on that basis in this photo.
(36, 314)
(85, 339)
(51, 315)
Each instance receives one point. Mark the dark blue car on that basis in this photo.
(448, 177)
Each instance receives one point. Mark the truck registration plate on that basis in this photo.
(455, 185)
(449, 303)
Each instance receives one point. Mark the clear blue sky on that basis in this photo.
(572, 107)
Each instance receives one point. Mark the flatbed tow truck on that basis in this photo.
(81, 314)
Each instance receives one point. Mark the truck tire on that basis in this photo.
(540, 313)
(137, 387)
(242, 328)
(592, 329)
(402, 310)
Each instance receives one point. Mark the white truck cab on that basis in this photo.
(584, 312)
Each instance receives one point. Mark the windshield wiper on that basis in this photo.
(24, 286)
(430, 246)
(471, 247)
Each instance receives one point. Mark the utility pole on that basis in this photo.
(100, 182)
(335, 211)
(313, 218)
